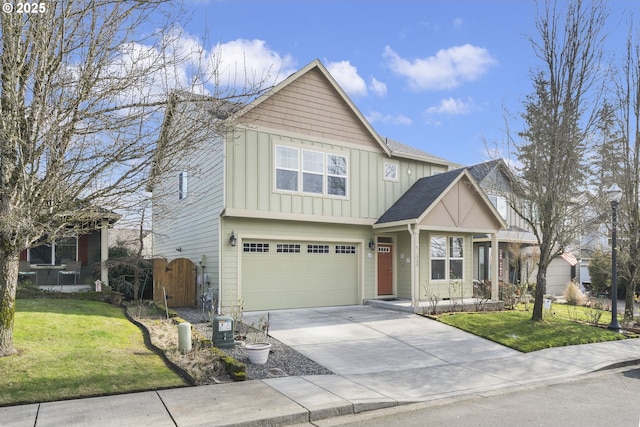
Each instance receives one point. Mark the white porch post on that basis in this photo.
(415, 270)
(104, 252)
(495, 254)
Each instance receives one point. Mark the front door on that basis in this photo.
(385, 270)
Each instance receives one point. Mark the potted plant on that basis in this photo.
(258, 351)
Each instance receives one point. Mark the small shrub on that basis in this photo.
(596, 308)
(573, 295)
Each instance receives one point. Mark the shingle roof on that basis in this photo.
(400, 148)
(480, 171)
(419, 197)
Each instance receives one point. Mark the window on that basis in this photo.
(390, 171)
(256, 247)
(59, 252)
(345, 249)
(447, 257)
(286, 168)
(182, 185)
(336, 175)
(456, 259)
(312, 172)
(500, 204)
(288, 248)
(318, 249)
(438, 257)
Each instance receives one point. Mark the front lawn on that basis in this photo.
(515, 329)
(71, 348)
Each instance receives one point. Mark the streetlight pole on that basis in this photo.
(615, 194)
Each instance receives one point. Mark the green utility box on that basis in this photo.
(223, 332)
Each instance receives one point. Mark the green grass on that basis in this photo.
(515, 329)
(73, 348)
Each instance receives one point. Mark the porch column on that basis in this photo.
(415, 270)
(104, 252)
(495, 254)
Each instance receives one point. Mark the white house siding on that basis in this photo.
(248, 230)
(191, 224)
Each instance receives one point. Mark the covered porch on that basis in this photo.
(424, 242)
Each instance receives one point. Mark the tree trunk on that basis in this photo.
(541, 286)
(8, 284)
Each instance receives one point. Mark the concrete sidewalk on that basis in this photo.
(380, 358)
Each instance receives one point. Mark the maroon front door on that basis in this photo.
(385, 270)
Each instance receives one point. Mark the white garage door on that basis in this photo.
(289, 274)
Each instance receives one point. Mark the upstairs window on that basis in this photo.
(182, 185)
(286, 168)
(500, 204)
(336, 175)
(311, 172)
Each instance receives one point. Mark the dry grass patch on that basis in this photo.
(203, 364)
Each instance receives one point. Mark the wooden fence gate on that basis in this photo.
(178, 278)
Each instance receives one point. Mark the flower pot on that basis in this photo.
(258, 352)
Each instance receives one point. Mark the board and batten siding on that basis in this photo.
(191, 224)
(250, 163)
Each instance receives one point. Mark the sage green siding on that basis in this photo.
(234, 273)
(251, 164)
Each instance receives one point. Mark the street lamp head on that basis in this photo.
(614, 193)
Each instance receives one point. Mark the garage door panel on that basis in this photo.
(274, 280)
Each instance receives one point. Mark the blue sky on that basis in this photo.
(437, 75)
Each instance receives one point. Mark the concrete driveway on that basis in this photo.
(392, 353)
(352, 340)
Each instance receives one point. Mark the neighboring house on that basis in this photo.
(303, 204)
(517, 256)
(69, 263)
(516, 243)
(130, 238)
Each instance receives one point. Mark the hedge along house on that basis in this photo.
(303, 204)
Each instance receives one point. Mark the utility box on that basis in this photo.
(223, 332)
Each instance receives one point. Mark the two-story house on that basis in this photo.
(302, 203)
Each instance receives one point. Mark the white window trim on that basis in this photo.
(447, 258)
(384, 171)
(301, 171)
(183, 185)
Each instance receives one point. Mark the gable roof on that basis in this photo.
(417, 199)
(480, 172)
(438, 199)
(316, 65)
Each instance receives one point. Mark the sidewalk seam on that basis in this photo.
(166, 409)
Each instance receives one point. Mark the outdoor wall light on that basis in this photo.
(372, 244)
(232, 239)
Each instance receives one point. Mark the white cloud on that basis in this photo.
(447, 69)
(376, 116)
(378, 87)
(451, 106)
(347, 77)
(251, 59)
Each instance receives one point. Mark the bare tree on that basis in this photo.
(82, 103)
(559, 116)
(621, 149)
